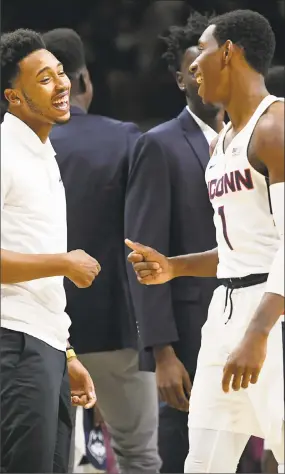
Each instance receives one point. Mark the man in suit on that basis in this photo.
(93, 155)
(168, 208)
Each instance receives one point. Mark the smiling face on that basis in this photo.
(210, 68)
(187, 82)
(41, 89)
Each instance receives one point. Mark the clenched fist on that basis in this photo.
(151, 267)
(81, 268)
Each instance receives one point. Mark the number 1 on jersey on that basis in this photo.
(221, 213)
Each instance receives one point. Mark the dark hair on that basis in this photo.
(14, 47)
(250, 31)
(66, 45)
(180, 38)
(275, 81)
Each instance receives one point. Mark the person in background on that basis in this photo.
(275, 81)
(93, 156)
(40, 373)
(168, 208)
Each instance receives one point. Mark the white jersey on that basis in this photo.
(246, 234)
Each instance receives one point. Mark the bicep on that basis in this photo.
(269, 145)
(275, 158)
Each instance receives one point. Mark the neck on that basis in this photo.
(41, 129)
(78, 101)
(246, 95)
(210, 115)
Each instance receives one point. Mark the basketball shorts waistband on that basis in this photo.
(244, 282)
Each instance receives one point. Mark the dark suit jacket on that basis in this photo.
(93, 156)
(168, 208)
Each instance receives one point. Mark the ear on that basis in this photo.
(228, 51)
(12, 97)
(180, 81)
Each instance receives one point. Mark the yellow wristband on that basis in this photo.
(70, 354)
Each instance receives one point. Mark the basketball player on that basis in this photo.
(244, 316)
(37, 367)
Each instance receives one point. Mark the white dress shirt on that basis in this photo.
(209, 133)
(33, 218)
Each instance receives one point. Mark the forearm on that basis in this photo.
(198, 264)
(17, 267)
(270, 309)
(271, 306)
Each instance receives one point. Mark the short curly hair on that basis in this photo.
(14, 47)
(250, 31)
(180, 38)
(66, 45)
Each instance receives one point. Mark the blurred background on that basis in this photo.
(123, 48)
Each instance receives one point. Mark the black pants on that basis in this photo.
(173, 441)
(35, 406)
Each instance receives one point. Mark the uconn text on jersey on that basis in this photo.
(230, 183)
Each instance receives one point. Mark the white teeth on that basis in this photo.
(61, 101)
(199, 80)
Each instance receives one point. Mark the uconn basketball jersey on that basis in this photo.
(245, 230)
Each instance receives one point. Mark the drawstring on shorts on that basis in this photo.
(232, 284)
(229, 293)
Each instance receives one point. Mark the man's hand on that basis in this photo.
(81, 268)
(151, 267)
(245, 362)
(172, 378)
(81, 384)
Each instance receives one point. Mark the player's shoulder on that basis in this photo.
(270, 126)
(268, 136)
(273, 117)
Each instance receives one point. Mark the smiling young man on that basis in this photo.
(93, 154)
(175, 217)
(35, 361)
(245, 179)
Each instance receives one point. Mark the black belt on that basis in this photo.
(234, 283)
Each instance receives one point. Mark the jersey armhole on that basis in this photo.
(214, 143)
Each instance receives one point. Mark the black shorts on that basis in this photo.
(35, 405)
